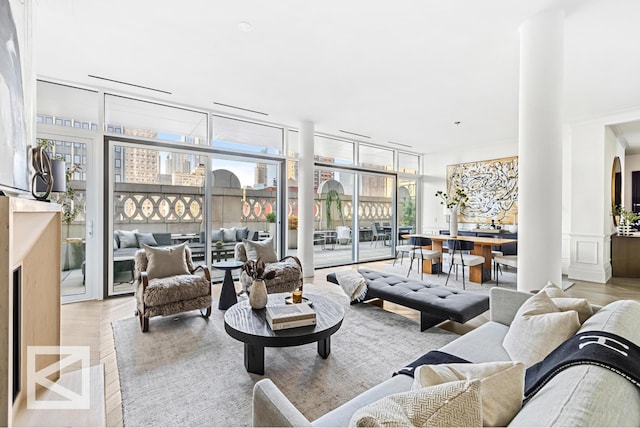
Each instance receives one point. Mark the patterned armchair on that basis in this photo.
(288, 270)
(167, 283)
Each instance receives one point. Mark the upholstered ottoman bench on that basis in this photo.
(435, 303)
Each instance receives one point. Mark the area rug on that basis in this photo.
(186, 371)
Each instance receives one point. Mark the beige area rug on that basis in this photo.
(186, 371)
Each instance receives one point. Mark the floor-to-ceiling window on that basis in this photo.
(67, 130)
(356, 183)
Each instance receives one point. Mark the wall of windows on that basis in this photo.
(162, 146)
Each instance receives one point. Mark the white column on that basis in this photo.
(305, 199)
(540, 151)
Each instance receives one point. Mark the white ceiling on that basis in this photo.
(397, 70)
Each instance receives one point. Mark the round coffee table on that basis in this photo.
(251, 327)
(228, 291)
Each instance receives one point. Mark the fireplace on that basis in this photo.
(15, 333)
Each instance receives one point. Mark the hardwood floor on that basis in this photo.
(89, 323)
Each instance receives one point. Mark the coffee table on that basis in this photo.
(251, 327)
(228, 291)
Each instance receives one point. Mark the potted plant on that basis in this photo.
(333, 197)
(626, 219)
(258, 291)
(72, 207)
(293, 231)
(219, 244)
(271, 222)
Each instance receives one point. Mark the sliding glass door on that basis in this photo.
(156, 198)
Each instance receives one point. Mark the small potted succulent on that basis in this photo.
(258, 293)
(219, 244)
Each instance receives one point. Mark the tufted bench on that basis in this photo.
(435, 303)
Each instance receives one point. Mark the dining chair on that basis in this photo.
(459, 258)
(418, 252)
(503, 260)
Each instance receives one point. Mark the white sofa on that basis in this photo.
(583, 395)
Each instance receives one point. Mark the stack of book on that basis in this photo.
(290, 316)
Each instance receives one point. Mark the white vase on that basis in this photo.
(453, 223)
(258, 295)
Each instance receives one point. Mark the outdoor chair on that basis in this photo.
(378, 233)
(343, 234)
(167, 283)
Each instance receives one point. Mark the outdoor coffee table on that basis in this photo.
(251, 327)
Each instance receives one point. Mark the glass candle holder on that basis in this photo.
(296, 296)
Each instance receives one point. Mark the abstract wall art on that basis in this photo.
(492, 188)
(14, 172)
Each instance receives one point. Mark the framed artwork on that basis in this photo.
(14, 170)
(492, 188)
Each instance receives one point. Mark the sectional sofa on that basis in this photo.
(582, 395)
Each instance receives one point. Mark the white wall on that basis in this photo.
(593, 149)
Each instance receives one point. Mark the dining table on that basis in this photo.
(482, 247)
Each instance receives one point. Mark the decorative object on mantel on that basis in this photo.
(453, 202)
(626, 219)
(49, 174)
(258, 293)
(491, 187)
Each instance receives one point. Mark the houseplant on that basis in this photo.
(333, 197)
(258, 293)
(72, 207)
(626, 219)
(271, 226)
(454, 202)
(293, 231)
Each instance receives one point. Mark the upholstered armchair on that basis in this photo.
(288, 270)
(167, 283)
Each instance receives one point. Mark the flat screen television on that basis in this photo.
(14, 151)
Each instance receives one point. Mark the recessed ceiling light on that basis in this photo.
(245, 27)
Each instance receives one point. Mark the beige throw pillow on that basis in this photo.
(451, 404)
(501, 386)
(565, 303)
(537, 329)
(257, 249)
(166, 261)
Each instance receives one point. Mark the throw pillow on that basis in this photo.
(166, 261)
(228, 235)
(258, 249)
(146, 239)
(127, 238)
(451, 404)
(241, 233)
(553, 290)
(564, 302)
(216, 235)
(537, 329)
(501, 386)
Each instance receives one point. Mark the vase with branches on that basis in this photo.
(454, 202)
(256, 269)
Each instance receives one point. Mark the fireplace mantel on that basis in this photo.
(30, 238)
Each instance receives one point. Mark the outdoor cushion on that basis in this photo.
(147, 239)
